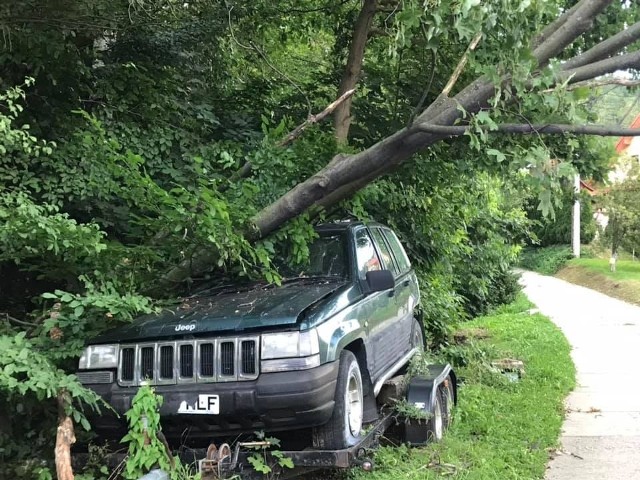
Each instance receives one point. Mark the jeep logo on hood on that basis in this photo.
(185, 328)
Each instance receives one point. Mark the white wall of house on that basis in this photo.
(634, 148)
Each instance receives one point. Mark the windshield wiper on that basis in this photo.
(313, 278)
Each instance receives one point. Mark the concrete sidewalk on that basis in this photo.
(601, 434)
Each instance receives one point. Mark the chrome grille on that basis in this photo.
(127, 364)
(248, 355)
(217, 360)
(186, 361)
(206, 359)
(227, 358)
(166, 362)
(146, 363)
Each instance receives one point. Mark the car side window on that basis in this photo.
(366, 256)
(398, 252)
(385, 253)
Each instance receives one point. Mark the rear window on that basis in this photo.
(385, 253)
(366, 256)
(398, 251)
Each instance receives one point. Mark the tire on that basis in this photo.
(344, 427)
(417, 338)
(435, 424)
(448, 401)
(440, 422)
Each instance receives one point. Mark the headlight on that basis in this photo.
(289, 351)
(287, 364)
(99, 356)
(290, 344)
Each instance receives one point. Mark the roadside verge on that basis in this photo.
(594, 273)
(503, 428)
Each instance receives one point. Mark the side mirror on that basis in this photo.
(380, 280)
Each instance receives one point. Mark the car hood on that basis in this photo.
(228, 310)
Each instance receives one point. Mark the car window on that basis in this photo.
(327, 258)
(366, 256)
(385, 253)
(398, 252)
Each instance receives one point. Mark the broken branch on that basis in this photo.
(245, 170)
(295, 133)
(463, 61)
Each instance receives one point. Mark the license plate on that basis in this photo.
(204, 405)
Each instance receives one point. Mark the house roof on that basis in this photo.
(624, 142)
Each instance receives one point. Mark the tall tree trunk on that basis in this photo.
(64, 439)
(342, 114)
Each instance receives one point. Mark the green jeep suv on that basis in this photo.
(312, 353)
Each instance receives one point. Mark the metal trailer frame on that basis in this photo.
(421, 392)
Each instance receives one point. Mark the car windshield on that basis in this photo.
(327, 258)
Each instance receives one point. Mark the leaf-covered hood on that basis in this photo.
(228, 310)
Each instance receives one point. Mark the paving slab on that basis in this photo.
(601, 433)
(604, 458)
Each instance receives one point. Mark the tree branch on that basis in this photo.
(575, 24)
(296, 132)
(353, 68)
(11, 319)
(624, 82)
(245, 170)
(597, 69)
(523, 128)
(463, 61)
(605, 48)
(343, 176)
(555, 25)
(65, 438)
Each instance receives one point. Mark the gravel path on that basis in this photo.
(601, 434)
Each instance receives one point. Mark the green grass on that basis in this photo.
(545, 260)
(501, 430)
(594, 273)
(625, 269)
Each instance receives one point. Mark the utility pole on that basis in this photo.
(575, 231)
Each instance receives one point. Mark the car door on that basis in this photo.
(394, 336)
(375, 308)
(407, 290)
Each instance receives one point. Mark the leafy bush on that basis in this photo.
(545, 260)
(441, 306)
(554, 230)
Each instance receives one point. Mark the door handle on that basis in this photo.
(405, 283)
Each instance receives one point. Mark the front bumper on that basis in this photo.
(272, 402)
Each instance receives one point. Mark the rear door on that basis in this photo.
(396, 333)
(407, 291)
(376, 307)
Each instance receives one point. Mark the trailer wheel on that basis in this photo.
(448, 401)
(417, 338)
(436, 424)
(344, 427)
(437, 404)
